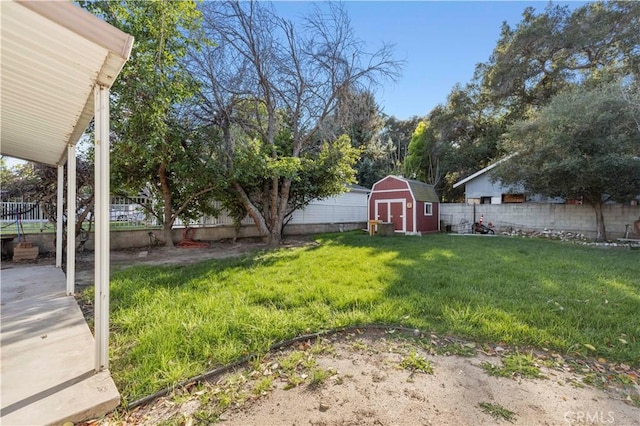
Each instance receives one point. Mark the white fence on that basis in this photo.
(133, 212)
(344, 208)
(27, 212)
(128, 211)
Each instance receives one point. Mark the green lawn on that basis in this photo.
(170, 323)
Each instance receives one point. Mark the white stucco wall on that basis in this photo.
(483, 187)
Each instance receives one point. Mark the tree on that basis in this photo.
(583, 145)
(267, 89)
(551, 51)
(155, 146)
(38, 183)
(397, 133)
(544, 55)
(423, 161)
(454, 140)
(631, 95)
(358, 116)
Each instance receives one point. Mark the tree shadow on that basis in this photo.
(532, 292)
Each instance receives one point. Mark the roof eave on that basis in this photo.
(482, 171)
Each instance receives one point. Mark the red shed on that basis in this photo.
(410, 205)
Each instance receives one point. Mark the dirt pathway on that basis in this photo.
(373, 377)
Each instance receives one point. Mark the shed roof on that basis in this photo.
(53, 54)
(423, 191)
(420, 190)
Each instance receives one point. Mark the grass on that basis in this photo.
(497, 411)
(520, 365)
(170, 323)
(415, 362)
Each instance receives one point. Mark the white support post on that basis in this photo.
(102, 204)
(59, 216)
(71, 219)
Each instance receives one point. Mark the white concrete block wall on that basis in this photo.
(534, 216)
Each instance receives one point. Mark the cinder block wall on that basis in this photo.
(534, 216)
(123, 239)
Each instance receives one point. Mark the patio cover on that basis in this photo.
(58, 63)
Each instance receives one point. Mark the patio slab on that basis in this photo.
(48, 351)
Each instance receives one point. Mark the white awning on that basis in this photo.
(58, 63)
(53, 54)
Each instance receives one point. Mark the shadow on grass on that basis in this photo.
(521, 292)
(130, 282)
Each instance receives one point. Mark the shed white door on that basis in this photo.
(392, 211)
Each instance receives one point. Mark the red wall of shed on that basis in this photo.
(427, 223)
(396, 189)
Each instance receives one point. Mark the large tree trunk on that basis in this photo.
(277, 230)
(601, 232)
(270, 228)
(275, 236)
(252, 210)
(167, 222)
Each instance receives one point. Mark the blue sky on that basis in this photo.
(441, 42)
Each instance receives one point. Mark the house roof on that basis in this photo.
(53, 54)
(358, 188)
(481, 172)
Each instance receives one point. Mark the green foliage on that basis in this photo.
(521, 365)
(572, 147)
(551, 51)
(358, 116)
(497, 411)
(547, 53)
(417, 147)
(155, 146)
(395, 137)
(20, 181)
(415, 362)
(453, 141)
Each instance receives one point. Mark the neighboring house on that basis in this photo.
(412, 206)
(479, 189)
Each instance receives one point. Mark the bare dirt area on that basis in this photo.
(388, 377)
(157, 256)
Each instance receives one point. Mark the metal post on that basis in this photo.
(59, 216)
(101, 108)
(71, 219)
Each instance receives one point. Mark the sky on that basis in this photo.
(441, 42)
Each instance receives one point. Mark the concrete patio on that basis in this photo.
(48, 352)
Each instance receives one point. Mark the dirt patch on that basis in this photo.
(373, 377)
(158, 256)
